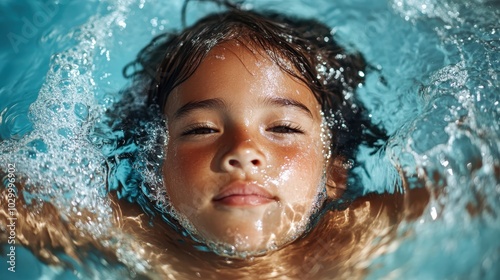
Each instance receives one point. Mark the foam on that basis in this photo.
(56, 160)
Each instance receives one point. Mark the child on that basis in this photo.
(260, 116)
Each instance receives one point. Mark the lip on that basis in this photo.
(241, 193)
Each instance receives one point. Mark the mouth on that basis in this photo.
(243, 194)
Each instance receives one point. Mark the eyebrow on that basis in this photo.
(217, 103)
(213, 103)
(286, 102)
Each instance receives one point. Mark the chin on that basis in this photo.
(247, 232)
(252, 238)
(245, 245)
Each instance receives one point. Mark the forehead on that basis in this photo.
(244, 72)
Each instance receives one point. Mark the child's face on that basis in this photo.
(245, 159)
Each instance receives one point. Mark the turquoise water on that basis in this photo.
(436, 91)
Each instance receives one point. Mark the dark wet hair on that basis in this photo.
(308, 45)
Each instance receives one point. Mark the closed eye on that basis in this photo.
(286, 128)
(199, 129)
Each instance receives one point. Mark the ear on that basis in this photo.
(336, 177)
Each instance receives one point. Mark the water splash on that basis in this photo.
(56, 159)
(452, 147)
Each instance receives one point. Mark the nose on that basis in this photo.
(243, 155)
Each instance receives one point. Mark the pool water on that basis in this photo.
(434, 87)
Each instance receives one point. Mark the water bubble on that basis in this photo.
(80, 90)
(348, 164)
(54, 107)
(66, 87)
(39, 145)
(81, 111)
(66, 71)
(55, 67)
(65, 132)
(82, 70)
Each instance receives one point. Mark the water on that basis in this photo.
(436, 91)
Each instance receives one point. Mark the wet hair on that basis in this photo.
(303, 48)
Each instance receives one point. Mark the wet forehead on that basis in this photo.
(244, 70)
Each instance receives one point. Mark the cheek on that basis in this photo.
(184, 170)
(183, 161)
(301, 172)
